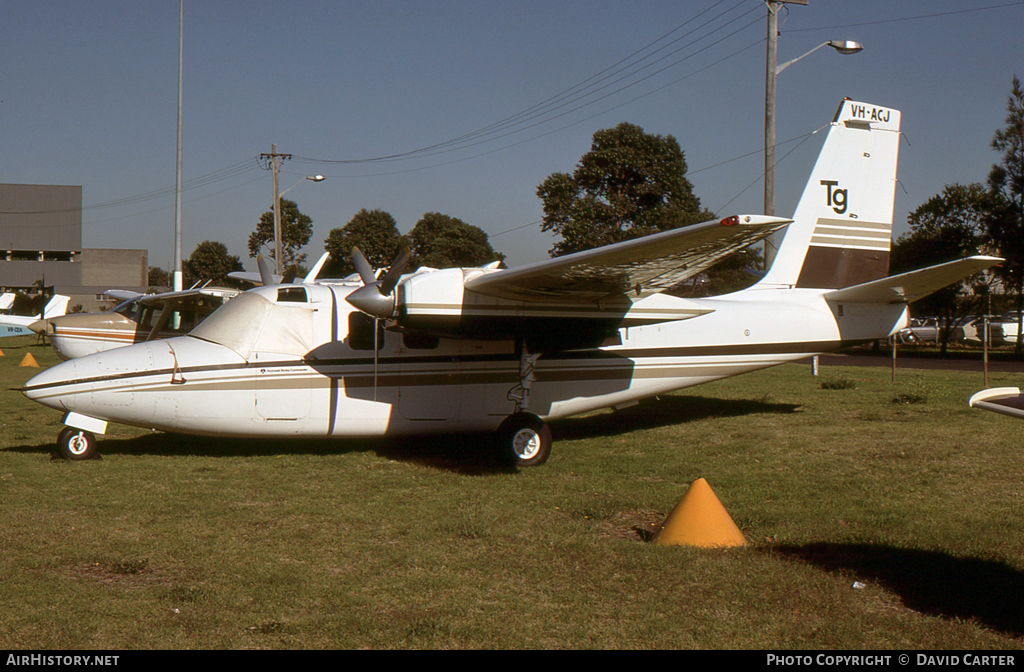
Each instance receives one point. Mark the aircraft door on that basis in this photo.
(283, 380)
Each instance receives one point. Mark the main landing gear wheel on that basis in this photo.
(524, 440)
(76, 444)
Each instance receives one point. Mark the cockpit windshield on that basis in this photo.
(252, 322)
(129, 309)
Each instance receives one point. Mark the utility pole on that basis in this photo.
(177, 273)
(769, 118)
(274, 161)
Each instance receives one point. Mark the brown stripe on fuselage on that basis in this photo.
(838, 267)
(595, 364)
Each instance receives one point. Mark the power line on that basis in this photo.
(1018, 3)
(545, 112)
(227, 173)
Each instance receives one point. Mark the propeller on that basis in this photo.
(377, 297)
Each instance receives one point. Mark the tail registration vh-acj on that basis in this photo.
(505, 350)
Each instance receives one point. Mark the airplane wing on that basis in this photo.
(1005, 400)
(185, 295)
(573, 298)
(6, 300)
(914, 285)
(122, 294)
(638, 268)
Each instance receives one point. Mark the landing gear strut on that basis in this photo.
(524, 440)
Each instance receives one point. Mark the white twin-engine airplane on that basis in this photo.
(496, 350)
(17, 325)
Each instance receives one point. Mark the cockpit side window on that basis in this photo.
(292, 295)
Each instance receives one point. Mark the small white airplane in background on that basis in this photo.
(18, 325)
(146, 317)
(6, 300)
(505, 350)
(1004, 400)
(139, 318)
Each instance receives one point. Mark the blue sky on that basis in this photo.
(88, 96)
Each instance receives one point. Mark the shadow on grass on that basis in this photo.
(662, 412)
(931, 582)
(470, 454)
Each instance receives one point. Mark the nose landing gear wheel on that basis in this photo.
(76, 444)
(524, 440)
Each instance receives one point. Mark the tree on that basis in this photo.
(441, 241)
(948, 226)
(375, 234)
(296, 230)
(1006, 184)
(210, 261)
(629, 184)
(158, 277)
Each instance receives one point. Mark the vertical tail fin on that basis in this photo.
(57, 306)
(842, 228)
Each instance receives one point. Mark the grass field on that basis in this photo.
(176, 542)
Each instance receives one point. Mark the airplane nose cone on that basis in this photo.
(54, 387)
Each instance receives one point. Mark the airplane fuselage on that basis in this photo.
(287, 367)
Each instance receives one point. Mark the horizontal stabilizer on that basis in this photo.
(914, 285)
(1005, 400)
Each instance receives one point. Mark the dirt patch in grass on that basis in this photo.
(122, 574)
(635, 525)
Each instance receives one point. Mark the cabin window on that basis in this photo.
(292, 295)
(360, 332)
(420, 341)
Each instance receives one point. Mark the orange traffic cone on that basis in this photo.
(29, 360)
(1, 353)
(699, 519)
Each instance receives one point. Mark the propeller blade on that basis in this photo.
(394, 274)
(363, 267)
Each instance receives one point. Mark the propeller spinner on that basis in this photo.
(377, 297)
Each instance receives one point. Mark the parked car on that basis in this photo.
(1008, 324)
(974, 331)
(927, 330)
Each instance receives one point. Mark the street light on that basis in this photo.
(844, 47)
(277, 214)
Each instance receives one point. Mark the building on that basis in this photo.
(41, 245)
